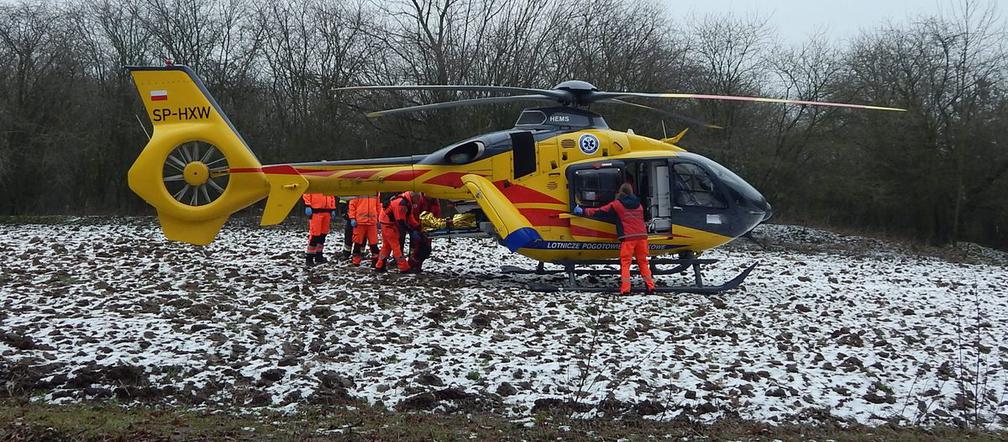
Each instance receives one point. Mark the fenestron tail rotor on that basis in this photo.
(195, 173)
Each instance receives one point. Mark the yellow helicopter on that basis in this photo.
(522, 182)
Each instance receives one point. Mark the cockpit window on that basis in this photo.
(695, 188)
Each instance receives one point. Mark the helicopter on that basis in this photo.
(522, 183)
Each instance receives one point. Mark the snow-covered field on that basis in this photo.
(828, 326)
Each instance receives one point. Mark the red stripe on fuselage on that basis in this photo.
(317, 172)
(544, 217)
(448, 179)
(281, 169)
(359, 174)
(520, 194)
(405, 175)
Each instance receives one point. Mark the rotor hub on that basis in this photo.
(576, 86)
(578, 92)
(196, 173)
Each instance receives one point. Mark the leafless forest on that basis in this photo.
(69, 116)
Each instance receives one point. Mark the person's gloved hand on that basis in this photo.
(578, 210)
(353, 223)
(414, 235)
(307, 211)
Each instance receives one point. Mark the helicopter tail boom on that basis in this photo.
(186, 169)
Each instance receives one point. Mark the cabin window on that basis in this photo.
(695, 188)
(596, 187)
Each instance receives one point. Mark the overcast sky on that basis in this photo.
(795, 20)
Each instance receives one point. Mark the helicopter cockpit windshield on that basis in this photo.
(700, 185)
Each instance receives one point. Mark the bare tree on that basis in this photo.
(797, 134)
(730, 51)
(41, 72)
(944, 69)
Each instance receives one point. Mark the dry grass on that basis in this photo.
(22, 420)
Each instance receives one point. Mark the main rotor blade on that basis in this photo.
(609, 95)
(676, 116)
(450, 104)
(559, 95)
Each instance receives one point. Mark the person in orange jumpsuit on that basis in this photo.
(319, 209)
(626, 210)
(363, 214)
(397, 221)
(421, 248)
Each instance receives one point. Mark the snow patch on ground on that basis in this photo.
(867, 333)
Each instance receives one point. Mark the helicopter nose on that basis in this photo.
(759, 205)
(768, 213)
(752, 202)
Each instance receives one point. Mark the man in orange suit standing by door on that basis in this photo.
(628, 214)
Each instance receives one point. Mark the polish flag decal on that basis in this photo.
(160, 95)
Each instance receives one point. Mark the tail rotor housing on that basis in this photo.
(186, 170)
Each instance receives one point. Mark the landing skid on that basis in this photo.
(681, 265)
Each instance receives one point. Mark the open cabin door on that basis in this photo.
(654, 187)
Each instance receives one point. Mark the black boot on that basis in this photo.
(319, 259)
(309, 259)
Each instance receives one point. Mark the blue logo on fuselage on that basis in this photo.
(588, 143)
